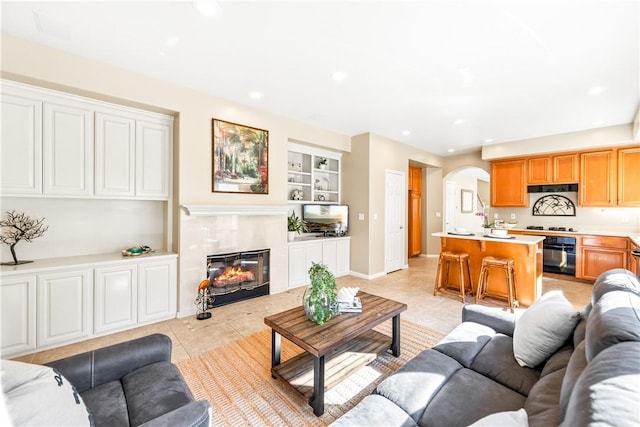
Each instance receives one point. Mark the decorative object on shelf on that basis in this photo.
(240, 158)
(137, 250)
(553, 205)
(320, 299)
(295, 225)
(203, 301)
(297, 195)
(295, 166)
(18, 226)
(321, 197)
(323, 163)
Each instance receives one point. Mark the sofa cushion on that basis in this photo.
(465, 342)
(542, 405)
(39, 395)
(608, 390)
(559, 360)
(504, 419)
(496, 361)
(617, 279)
(375, 410)
(413, 386)
(576, 365)
(467, 397)
(154, 390)
(543, 328)
(615, 318)
(107, 404)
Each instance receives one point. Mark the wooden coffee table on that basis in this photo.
(347, 342)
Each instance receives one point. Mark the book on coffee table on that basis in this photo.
(354, 306)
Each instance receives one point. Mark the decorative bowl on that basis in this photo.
(509, 224)
(461, 230)
(498, 232)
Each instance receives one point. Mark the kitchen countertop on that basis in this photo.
(635, 237)
(518, 239)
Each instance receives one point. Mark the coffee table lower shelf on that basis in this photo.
(297, 372)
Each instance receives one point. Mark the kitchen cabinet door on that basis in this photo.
(157, 290)
(597, 185)
(115, 155)
(343, 249)
(116, 298)
(539, 170)
(508, 183)
(153, 159)
(595, 261)
(566, 168)
(17, 314)
(629, 177)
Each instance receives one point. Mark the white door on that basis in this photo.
(153, 159)
(68, 150)
(21, 145)
(395, 220)
(450, 206)
(115, 155)
(116, 298)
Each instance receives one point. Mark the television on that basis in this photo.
(326, 218)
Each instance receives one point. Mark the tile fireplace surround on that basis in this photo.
(210, 230)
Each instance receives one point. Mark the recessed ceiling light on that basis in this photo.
(207, 8)
(339, 76)
(172, 41)
(458, 122)
(596, 90)
(451, 150)
(406, 132)
(255, 94)
(488, 140)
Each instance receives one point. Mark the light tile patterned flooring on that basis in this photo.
(414, 286)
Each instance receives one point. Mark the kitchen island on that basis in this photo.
(526, 251)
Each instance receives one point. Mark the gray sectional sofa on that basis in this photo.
(590, 375)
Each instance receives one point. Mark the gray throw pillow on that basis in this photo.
(543, 328)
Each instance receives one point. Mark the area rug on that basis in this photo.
(236, 379)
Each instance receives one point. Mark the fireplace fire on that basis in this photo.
(238, 276)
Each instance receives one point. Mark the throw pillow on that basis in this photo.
(543, 328)
(38, 395)
(504, 419)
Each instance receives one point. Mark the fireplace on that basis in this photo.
(237, 276)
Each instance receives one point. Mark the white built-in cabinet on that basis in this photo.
(60, 145)
(311, 180)
(62, 302)
(331, 251)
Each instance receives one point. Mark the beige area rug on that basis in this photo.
(236, 379)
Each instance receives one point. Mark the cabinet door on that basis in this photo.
(508, 183)
(330, 256)
(596, 261)
(115, 155)
(65, 304)
(343, 250)
(539, 170)
(597, 179)
(415, 223)
(297, 266)
(157, 290)
(17, 315)
(21, 145)
(566, 169)
(116, 298)
(629, 177)
(153, 159)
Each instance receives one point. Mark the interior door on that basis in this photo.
(395, 219)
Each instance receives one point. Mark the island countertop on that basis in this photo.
(520, 238)
(524, 250)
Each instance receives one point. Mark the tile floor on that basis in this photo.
(413, 286)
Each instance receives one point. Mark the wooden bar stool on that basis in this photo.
(442, 281)
(507, 265)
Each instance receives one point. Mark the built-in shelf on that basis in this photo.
(307, 180)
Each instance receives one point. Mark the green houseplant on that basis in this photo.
(295, 225)
(320, 300)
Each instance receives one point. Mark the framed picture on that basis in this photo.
(240, 158)
(466, 201)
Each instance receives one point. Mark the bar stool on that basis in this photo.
(507, 265)
(442, 283)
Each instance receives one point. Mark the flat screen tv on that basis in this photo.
(326, 218)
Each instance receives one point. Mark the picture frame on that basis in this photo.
(466, 201)
(240, 158)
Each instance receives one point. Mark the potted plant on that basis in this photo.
(295, 225)
(322, 164)
(320, 300)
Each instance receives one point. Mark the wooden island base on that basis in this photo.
(526, 251)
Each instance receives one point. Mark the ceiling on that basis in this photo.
(440, 75)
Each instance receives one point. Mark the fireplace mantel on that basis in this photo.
(214, 210)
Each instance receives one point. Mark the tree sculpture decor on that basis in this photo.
(18, 226)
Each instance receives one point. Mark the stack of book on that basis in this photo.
(354, 306)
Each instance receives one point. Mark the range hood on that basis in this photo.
(553, 188)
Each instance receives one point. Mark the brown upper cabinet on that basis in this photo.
(610, 177)
(508, 183)
(559, 169)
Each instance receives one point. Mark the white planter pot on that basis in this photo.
(291, 235)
